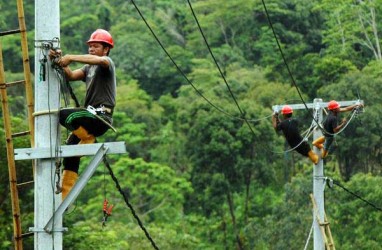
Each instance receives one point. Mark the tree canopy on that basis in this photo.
(205, 169)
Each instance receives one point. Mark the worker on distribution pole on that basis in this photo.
(289, 127)
(331, 126)
(85, 125)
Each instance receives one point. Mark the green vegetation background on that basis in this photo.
(197, 177)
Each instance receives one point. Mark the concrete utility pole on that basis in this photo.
(319, 180)
(49, 207)
(47, 25)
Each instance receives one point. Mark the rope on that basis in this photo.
(310, 235)
(356, 195)
(106, 162)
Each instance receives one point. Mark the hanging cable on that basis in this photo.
(106, 162)
(307, 133)
(352, 115)
(337, 183)
(181, 71)
(64, 83)
(220, 71)
(214, 58)
(286, 64)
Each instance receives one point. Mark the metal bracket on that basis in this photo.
(68, 151)
(41, 230)
(78, 187)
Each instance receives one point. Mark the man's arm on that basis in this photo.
(74, 75)
(340, 126)
(351, 107)
(86, 59)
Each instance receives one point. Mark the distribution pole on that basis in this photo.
(47, 26)
(319, 180)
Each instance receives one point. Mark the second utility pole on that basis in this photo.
(319, 180)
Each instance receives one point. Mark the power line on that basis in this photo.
(287, 66)
(218, 67)
(331, 181)
(175, 64)
(213, 57)
(282, 55)
(181, 71)
(106, 162)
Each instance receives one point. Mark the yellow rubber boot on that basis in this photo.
(68, 180)
(83, 134)
(319, 142)
(313, 157)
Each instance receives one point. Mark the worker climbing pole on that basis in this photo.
(319, 180)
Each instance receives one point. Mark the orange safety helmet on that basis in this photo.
(101, 35)
(286, 110)
(332, 105)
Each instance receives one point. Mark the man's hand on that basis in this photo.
(54, 53)
(65, 61)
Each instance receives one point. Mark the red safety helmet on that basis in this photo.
(286, 110)
(332, 105)
(102, 36)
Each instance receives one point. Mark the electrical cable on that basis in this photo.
(308, 132)
(287, 66)
(106, 162)
(214, 58)
(352, 115)
(283, 56)
(220, 71)
(180, 70)
(44, 78)
(288, 69)
(356, 195)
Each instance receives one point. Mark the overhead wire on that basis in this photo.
(218, 67)
(183, 74)
(283, 56)
(175, 64)
(107, 164)
(288, 69)
(337, 183)
(287, 66)
(214, 58)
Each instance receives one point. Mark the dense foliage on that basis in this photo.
(197, 174)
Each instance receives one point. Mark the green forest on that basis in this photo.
(205, 169)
